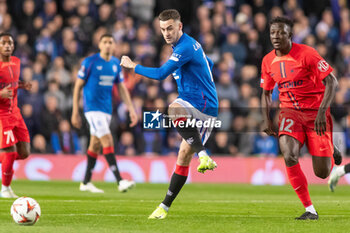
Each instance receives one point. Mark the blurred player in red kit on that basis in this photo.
(307, 88)
(14, 136)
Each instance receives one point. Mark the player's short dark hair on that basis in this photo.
(109, 35)
(169, 14)
(7, 34)
(283, 20)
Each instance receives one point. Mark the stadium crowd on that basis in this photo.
(52, 38)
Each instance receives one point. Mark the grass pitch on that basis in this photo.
(198, 208)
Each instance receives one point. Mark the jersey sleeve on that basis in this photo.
(266, 82)
(84, 70)
(178, 58)
(120, 75)
(317, 65)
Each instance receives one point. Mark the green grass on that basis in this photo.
(199, 208)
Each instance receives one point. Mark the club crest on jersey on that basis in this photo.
(322, 66)
(99, 67)
(114, 68)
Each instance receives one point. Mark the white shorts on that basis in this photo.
(99, 123)
(195, 113)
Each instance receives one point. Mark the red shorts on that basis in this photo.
(300, 125)
(13, 130)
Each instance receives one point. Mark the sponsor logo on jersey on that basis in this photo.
(322, 66)
(291, 84)
(106, 80)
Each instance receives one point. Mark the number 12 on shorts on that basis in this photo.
(286, 124)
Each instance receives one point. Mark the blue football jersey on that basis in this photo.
(99, 76)
(191, 69)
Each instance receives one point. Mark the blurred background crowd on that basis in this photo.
(52, 38)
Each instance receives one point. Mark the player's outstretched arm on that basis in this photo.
(160, 73)
(331, 84)
(125, 96)
(75, 119)
(266, 102)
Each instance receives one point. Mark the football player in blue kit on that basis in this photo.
(191, 69)
(97, 75)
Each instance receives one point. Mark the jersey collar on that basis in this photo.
(287, 57)
(180, 40)
(290, 51)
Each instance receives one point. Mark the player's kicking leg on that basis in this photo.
(336, 174)
(108, 152)
(178, 179)
(190, 134)
(91, 154)
(337, 171)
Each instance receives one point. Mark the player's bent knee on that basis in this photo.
(323, 174)
(183, 152)
(23, 155)
(290, 159)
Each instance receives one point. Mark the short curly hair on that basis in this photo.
(283, 20)
(7, 34)
(169, 14)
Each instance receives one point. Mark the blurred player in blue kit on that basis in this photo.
(97, 75)
(191, 69)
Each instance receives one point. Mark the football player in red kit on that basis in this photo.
(14, 136)
(307, 88)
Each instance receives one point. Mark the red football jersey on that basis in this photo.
(9, 75)
(298, 75)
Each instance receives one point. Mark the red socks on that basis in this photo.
(108, 150)
(6, 167)
(181, 170)
(298, 181)
(92, 154)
